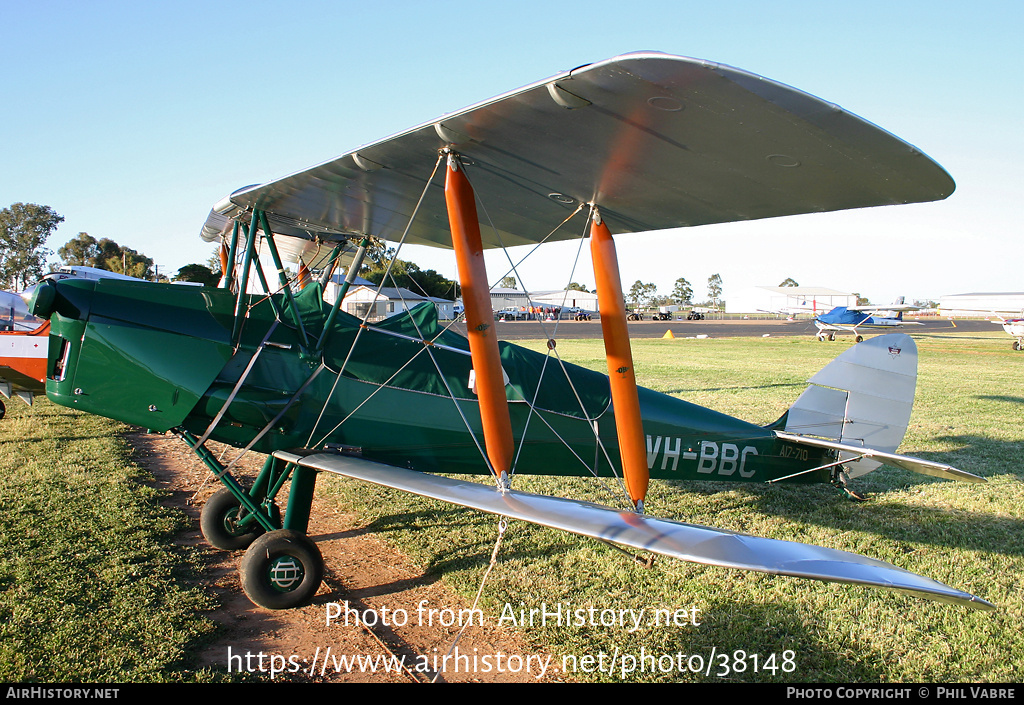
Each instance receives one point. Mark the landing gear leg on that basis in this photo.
(282, 568)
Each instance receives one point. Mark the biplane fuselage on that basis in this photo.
(386, 401)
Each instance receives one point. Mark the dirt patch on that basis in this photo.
(360, 570)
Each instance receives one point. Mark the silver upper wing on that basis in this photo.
(656, 141)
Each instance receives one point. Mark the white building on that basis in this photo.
(390, 300)
(761, 299)
(566, 299)
(504, 299)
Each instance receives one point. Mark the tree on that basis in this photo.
(682, 292)
(125, 260)
(213, 263)
(408, 275)
(87, 251)
(377, 256)
(24, 228)
(508, 282)
(715, 287)
(789, 281)
(197, 273)
(576, 286)
(641, 294)
(82, 251)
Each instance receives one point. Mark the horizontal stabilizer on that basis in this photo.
(924, 467)
(688, 542)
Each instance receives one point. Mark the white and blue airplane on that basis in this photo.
(853, 319)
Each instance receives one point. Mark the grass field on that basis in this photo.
(967, 413)
(91, 588)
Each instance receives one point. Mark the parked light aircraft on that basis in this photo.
(635, 143)
(854, 319)
(23, 345)
(1014, 327)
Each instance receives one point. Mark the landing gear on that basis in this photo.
(222, 522)
(1017, 345)
(282, 569)
(859, 339)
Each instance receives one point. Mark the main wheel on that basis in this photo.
(217, 521)
(1016, 346)
(282, 569)
(859, 339)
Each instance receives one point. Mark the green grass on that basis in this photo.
(92, 588)
(966, 535)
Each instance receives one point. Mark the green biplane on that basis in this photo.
(636, 143)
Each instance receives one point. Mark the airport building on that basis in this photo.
(502, 299)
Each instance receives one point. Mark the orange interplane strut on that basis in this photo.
(625, 400)
(476, 297)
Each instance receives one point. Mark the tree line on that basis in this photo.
(25, 229)
(643, 295)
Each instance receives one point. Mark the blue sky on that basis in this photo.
(132, 119)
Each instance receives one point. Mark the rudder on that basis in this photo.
(862, 398)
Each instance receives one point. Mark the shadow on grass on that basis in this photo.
(779, 385)
(1000, 397)
(822, 505)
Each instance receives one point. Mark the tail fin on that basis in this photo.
(863, 398)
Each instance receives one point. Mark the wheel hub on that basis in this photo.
(285, 573)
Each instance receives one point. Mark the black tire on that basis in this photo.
(859, 339)
(282, 569)
(217, 523)
(3, 409)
